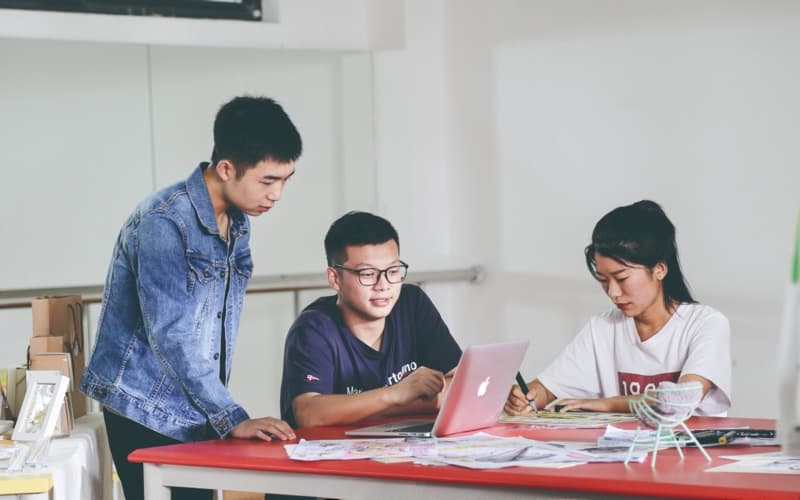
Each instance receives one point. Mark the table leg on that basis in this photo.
(154, 488)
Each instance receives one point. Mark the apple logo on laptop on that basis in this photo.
(482, 387)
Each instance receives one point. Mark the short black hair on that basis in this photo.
(641, 233)
(355, 229)
(248, 130)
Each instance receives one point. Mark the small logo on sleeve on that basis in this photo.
(312, 378)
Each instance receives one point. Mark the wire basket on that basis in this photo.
(663, 409)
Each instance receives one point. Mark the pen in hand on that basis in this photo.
(524, 387)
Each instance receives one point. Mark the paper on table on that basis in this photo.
(772, 465)
(769, 455)
(478, 451)
(592, 452)
(356, 449)
(567, 420)
(484, 451)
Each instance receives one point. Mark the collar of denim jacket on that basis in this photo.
(197, 189)
(201, 201)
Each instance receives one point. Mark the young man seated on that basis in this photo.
(377, 348)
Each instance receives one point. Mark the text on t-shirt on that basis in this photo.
(635, 383)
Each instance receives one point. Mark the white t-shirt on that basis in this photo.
(607, 358)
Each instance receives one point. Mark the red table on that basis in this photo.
(259, 466)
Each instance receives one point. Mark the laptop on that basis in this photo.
(474, 400)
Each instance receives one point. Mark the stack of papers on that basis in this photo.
(478, 451)
(567, 420)
(357, 449)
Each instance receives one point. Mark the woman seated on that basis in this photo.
(655, 332)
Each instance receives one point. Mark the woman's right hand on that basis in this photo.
(517, 403)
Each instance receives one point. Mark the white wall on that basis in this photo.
(92, 128)
(503, 130)
(555, 112)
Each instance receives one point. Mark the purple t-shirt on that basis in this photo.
(322, 355)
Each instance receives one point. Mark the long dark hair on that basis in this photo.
(641, 234)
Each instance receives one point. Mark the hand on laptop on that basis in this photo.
(422, 383)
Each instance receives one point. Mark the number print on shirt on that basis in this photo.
(631, 384)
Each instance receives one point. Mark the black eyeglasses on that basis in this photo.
(369, 276)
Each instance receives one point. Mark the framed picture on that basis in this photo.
(41, 407)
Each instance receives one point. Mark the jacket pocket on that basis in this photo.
(243, 264)
(201, 270)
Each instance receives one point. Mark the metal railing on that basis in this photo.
(294, 283)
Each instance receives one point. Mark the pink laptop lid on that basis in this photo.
(480, 388)
(474, 400)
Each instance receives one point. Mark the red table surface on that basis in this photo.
(671, 478)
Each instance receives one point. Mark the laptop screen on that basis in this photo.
(475, 397)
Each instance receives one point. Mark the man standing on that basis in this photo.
(376, 348)
(174, 291)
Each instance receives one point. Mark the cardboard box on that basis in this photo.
(62, 362)
(61, 317)
(66, 421)
(58, 315)
(78, 398)
(54, 361)
(41, 345)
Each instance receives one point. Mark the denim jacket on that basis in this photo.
(173, 288)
